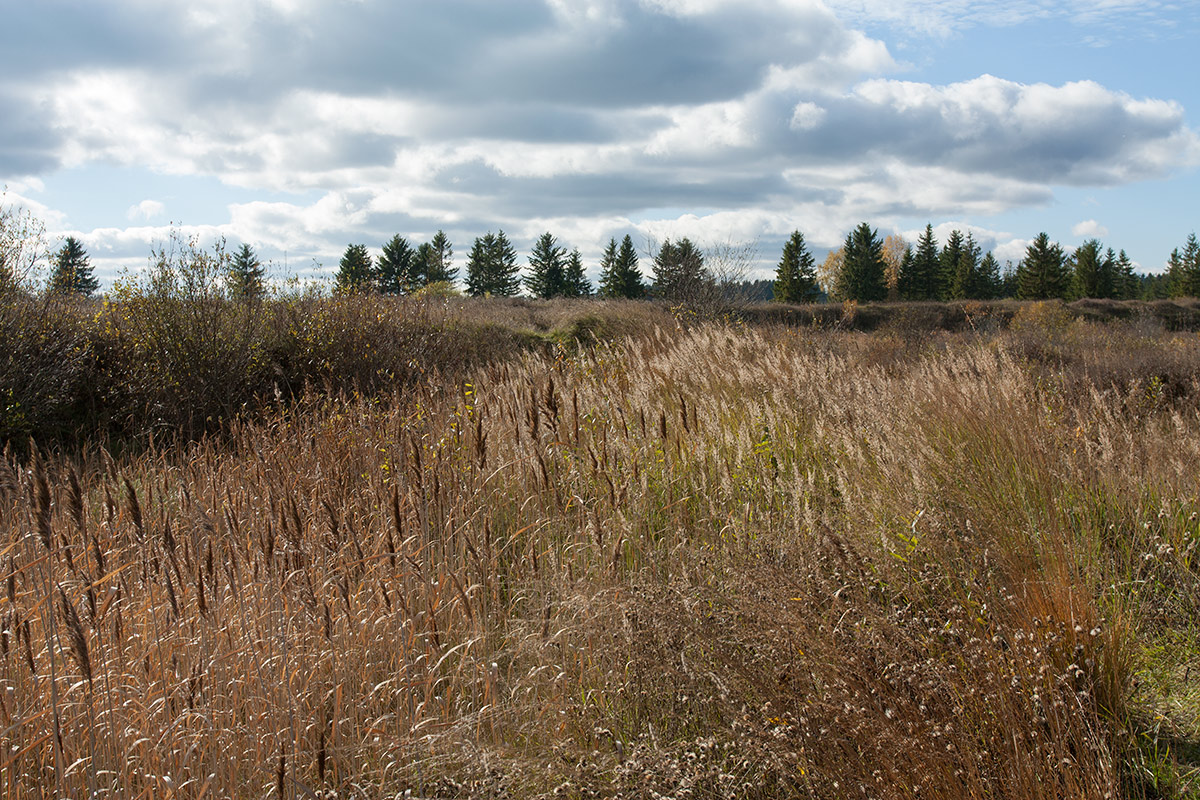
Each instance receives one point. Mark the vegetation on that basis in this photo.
(706, 560)
(72, 271)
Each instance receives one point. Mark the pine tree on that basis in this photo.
(397, 269)
(576, 282)
(920, 280)
(492, 267)
(547, 268)
(355, 271)
(619, 273)
(863, 274)
(72, 272)
(437, 264)
(1042, 273)
(796, 275)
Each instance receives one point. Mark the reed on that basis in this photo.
(706, 561)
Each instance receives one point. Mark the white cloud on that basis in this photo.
(1089, 228)
(146, 210)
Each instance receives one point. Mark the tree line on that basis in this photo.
(867, 269)
(492, 269)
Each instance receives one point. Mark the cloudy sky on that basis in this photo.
(301, 126)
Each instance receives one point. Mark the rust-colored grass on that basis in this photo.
(705, 562)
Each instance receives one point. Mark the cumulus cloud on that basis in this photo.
(145, 210)
(594, 116)
(1089, 228)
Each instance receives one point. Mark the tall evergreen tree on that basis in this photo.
(923, 280)
(1087, 270)
(355, 271)
(796, 275)
(949, 261)
(72, 272)
(437, 266)
(863, 274)
(967, 282)
(679, 273)
(492, 267)
(547, 268)
(619, 273)
(397, 269)
(575, 281)
(1042, 273)
(1125, 283)
(1188, 281)
(246, 274)
(991, 283)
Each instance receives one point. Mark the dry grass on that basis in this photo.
(714, 562)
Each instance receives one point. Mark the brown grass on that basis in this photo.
(716, 562)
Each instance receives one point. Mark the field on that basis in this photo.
(598, 550)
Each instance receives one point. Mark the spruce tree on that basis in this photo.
(920, 280)
(1125, 283)
(397, 268)
(1189, 271)
(355, 271)
(796, 275)
(679, 274)
(437, 266)
(72, 272)
(1042, 274)
(492, 267)
(547, 268)
(619, 273)
(991, 283)
(576, 282)
(1086, 270)
(246, 274)
(863, 270)
(949, 261)
(967, 283)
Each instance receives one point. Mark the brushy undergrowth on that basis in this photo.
(707, 561)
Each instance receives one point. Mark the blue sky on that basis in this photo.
(300, 126)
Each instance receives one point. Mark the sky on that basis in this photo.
(302, 126)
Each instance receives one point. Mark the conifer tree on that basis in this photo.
(72, 272)
(492, 267)
(863, 270)
(1188, 281)
(967, 282)
(437, 265)
(1125, 283)
(547, 268)
(991, 283)
(920, 280)
(576, 282)
(355, 271)
(619, 273)
(397, 269)
(1042, 273)
(246, 274)
(949, 260)
(796, 275)
(679, 273)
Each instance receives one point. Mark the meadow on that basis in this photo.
(442, 548)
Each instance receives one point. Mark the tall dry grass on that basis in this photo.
(714, 562)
